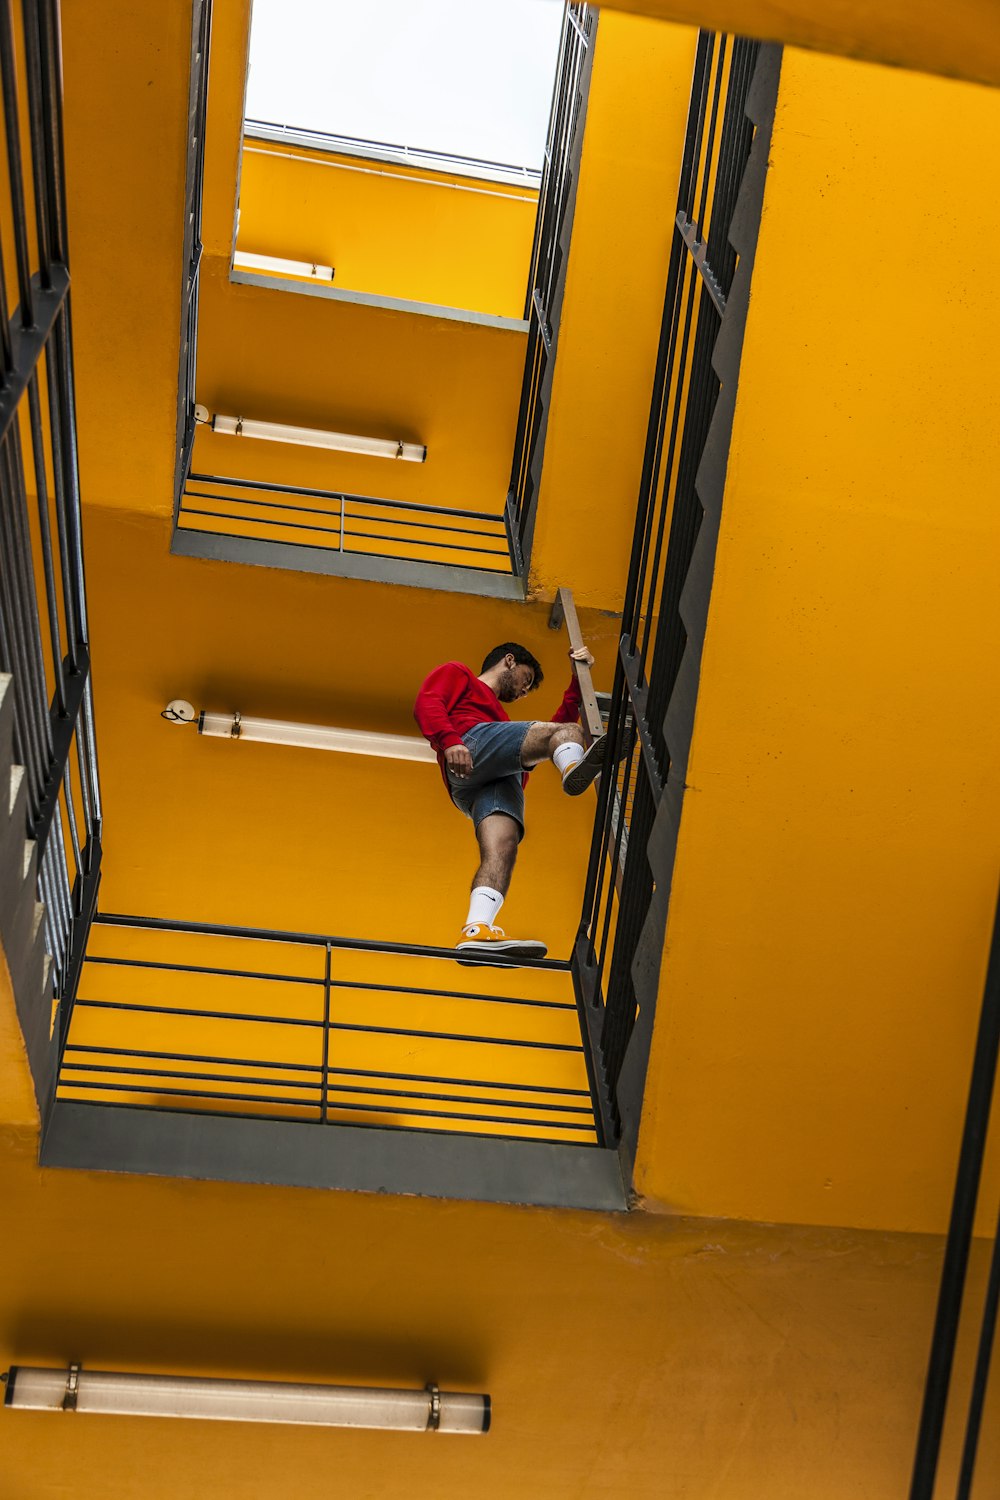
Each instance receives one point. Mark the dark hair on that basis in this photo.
(522, 658)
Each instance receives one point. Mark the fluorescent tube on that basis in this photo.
(313, 437)
(237, 726)
(273, 265)
(110, 1393)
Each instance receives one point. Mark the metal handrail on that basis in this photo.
(619, 890)
(312, 1079)
(417, 156)
(548, 267)
(44, 643)
(271, 511)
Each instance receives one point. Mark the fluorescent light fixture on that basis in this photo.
(237, 726)
(273, 265)
(110, 1393)
(312, 437)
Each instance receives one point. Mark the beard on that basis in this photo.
(507, 688)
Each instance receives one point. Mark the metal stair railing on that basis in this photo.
(43, 616)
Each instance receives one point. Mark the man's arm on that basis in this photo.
(437, 697)
(568, 711)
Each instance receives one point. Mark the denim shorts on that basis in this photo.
(494, 783)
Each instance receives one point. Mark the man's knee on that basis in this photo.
(498, 834)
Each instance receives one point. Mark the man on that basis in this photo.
(485, 759)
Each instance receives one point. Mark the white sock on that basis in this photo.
(564, 756)
(484, 904)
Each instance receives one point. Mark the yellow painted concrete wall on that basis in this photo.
(281, 357)
(125, 186)
(962, 41)
(625, 1356)
(836, 874)
(391, 230)
(615, 281)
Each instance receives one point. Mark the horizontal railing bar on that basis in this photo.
(134, 1088)
(376, 1109)
(355, 552)
(340, 984)
(455, 1036)
(562, 1109)
(333, 515)
(119, 1071)
(478, 1083)
(442, 1114)
(232, 1114)
(267, 130)
(193, 1015)
(404, 989)
(205, 1057)
(310, 939)
(341, 1088)
(27, 344)
(148, 963)
(250, 1062)
(295, 489)
(335, 531)
(359, 1028)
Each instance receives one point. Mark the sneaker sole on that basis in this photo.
(586, 771)
(481, 953)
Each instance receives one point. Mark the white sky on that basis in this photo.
(472, 77)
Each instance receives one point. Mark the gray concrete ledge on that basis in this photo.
(108, 1138)
(263, 554)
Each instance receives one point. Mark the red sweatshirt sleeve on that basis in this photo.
(568, 711)
(437, 697)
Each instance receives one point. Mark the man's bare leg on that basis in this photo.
(542, 740)
(497, 838)
(563, 744)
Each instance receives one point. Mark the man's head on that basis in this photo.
(513, 671)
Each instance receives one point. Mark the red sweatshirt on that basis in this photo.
(452, 699)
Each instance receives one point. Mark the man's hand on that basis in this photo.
(580, 653)
(459, 760)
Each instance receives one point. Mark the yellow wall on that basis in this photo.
(836, 874)
(281, 357)
(126, 231)
(616, 276)
(391, 230)
(288, 838)
(625, 1356)
(962, 41)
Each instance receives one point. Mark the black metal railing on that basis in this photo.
(201, 37)
(206, 1019)
(415, 156)
(546, 277)
(44, 646)
(345, 525)
(655, 637)
(941, 1401)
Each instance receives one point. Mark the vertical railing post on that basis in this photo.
(324, 1098)
(960, 1229)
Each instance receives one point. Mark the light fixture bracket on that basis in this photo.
(72, 1388)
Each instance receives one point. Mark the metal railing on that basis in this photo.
(201, 38)
(620, 879)
(412, 156)
(44, 646)
(940, 1402)
(205, 1019)
(546, 277)
(342, 524)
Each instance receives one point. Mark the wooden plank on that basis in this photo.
(590, 714)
